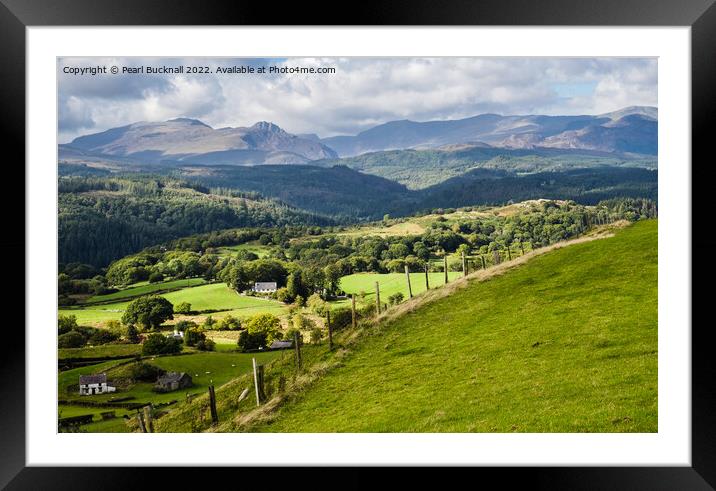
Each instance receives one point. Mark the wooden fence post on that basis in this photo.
(140, 420)
(407, 275)
(482, 259)
(353, 310)
(212, 406)
(509, 254)
(297, 348)
(522, 247)
(330, 330)
(377, 297)
(445, 267)
(464, 265)
(148, 419)
(427, 277)
(496, 257)
(259, 382)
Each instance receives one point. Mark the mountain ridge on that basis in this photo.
(627, 131)
(191, 140)
(637, 134)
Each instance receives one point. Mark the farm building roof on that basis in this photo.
(266, 285)
(281, 344)
(170, 377)
(93, 379)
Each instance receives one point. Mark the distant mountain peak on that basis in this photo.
(644, 111)
(268, 127)
(190, 121)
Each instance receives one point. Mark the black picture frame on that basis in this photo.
(700, 15)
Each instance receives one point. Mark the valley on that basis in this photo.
(488, 274)
(317, 271)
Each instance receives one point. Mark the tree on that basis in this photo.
(193, 336)
(206, 345)
(72, 339)
(229, 323)
(149, 311)
(183, 325)
(115, 327)
(294, 284)
(144, 372)
(316, 303)
(209, 323)
(158, 344)
(132, 334)
(66, 323)
(283, 295)
(398, 251)
(265, 323)
(182, 308)
(197, 338)
(251, 341)
(102, 336)
(332, 277)
(156, 277)
(246, 255)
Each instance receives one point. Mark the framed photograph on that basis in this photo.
(437, 237)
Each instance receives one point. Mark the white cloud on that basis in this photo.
(362, 93)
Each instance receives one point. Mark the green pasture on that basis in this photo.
(102, 351)
(145, 288)
(390, 284)
(215, 296)
(564, 343)
(258, 249)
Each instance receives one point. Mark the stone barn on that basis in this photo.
(171, 381)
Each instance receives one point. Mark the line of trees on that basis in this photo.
(305, 267)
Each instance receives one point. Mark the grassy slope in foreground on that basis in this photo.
(564, 343)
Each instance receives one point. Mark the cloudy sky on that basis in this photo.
(362, 93)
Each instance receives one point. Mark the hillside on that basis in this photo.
(565, 343)
(419, 169)
(101, 219)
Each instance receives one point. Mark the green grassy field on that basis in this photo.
(399, 228)
(390, 283)
(565, 343)
(103, 351)
(145, 288)
(204, 297)
(258, 249)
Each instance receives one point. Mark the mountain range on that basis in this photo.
(628, 132)
(191, 141)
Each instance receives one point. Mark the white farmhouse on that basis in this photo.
(265, 287)
(177, 335)
(94, 384)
